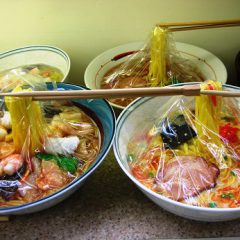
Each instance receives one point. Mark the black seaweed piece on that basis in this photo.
(8, 189)
(51, 111)
(176, 132)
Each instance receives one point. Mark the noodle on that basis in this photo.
(158, 67)
(26, 118)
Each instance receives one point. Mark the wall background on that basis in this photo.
(85, 28)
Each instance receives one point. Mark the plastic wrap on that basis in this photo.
(20, 75)
(43, 145)
(157, 63)
(191, 151)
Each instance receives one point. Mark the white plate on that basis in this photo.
(210, 65)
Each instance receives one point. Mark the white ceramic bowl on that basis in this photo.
(129, 121)
(211, 66)
(37, 54)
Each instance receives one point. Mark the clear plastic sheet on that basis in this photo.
(191, 153)
(157, 63)
(30, 74)
(43, 145)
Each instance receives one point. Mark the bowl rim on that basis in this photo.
(29, 48)
(75, 182)
(120, 121)
(139, 44)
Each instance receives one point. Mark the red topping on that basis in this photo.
(214, 98)
(229, 133)
(139, 173)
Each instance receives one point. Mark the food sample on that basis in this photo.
(11, 78)
(157, 64)
(191, 154)
(44, 147)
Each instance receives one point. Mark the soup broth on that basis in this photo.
(134, 75)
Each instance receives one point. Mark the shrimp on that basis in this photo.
(10, 164)
(51, 176)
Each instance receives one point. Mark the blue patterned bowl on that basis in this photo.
(106, 117)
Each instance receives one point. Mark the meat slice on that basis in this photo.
(187, 176)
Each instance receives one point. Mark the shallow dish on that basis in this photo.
(136, 113)
(36, 54)
(106, 117)
(211, 66)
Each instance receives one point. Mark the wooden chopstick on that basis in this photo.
(187, 90)
(184, 26)
(221, 93)
(177, 29)
(191, 90)
(214, 22)
(4, 218)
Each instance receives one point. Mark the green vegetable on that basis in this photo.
(233, 173)
(212, 205)
(131, 158)
(225, 157)
(57, 76)
(69, 164)
(151, 174)
(228, 118)
(174, 80)
(227, 195)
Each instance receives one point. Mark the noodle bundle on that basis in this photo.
(157, 74)
(28, 125)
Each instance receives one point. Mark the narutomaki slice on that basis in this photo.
(187, 176)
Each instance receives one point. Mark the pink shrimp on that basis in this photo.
(51, 176)
(10, 164)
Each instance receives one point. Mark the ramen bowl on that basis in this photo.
(210, 65)
(104, 117)
(36, 55)
(130, 122)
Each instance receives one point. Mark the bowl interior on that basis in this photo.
(48, 55)
(106, 117)
(211, 66)
(138, 115)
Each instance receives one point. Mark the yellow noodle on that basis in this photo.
(157, 75)
(28, 124)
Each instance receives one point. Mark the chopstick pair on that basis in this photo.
(183, 26)
(187, 90)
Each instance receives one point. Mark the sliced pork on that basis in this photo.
(187, 176)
